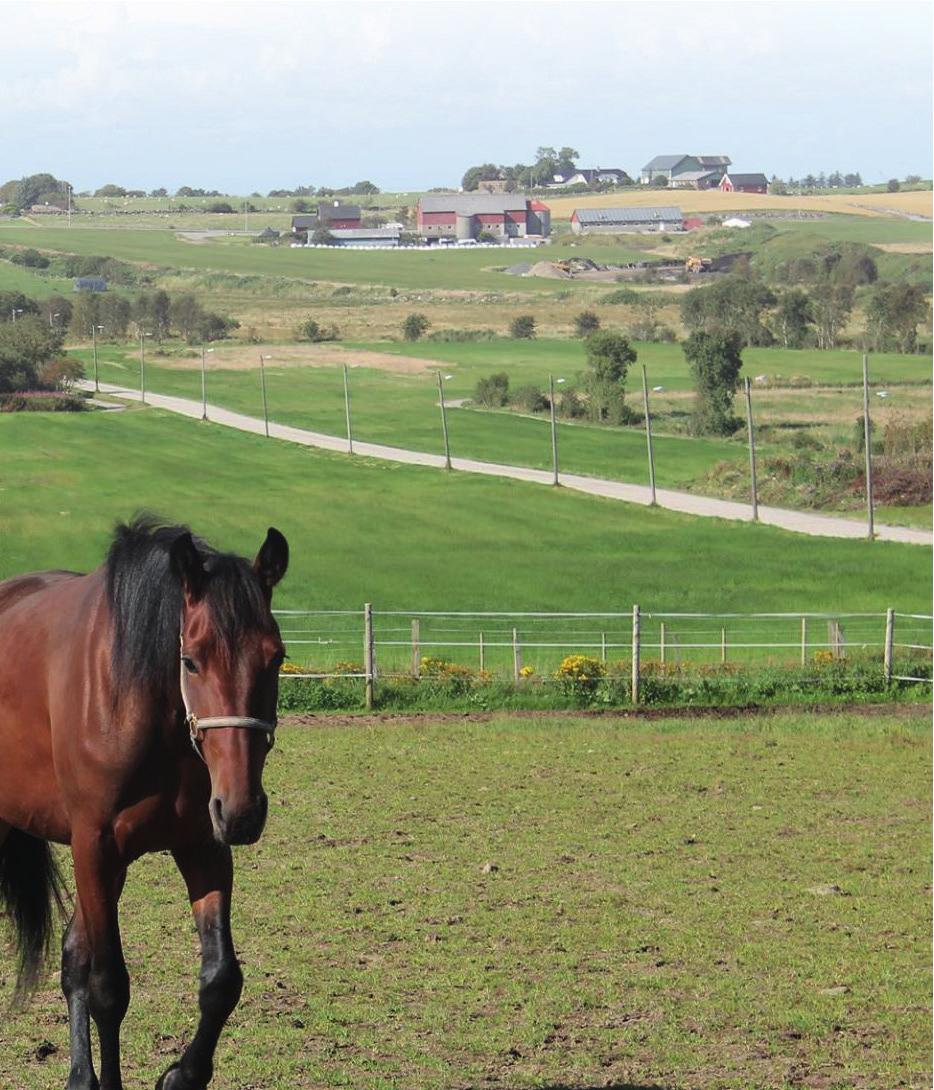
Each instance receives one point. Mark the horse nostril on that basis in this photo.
(217, 812)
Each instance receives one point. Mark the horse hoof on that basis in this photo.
(171, 1079)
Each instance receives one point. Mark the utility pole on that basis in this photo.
(204, 382)
(347, 411)
(444, 424)
(262, 379)
(97, 384)
(554, 429)
(142, 368)
(648, 432)
(867, 437)
(752, 453)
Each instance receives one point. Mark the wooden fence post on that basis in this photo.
(661, 643)
(722, 645)
(369, 658)
(416, 648)
(804, 641)
(516, 655)
(636, 642)
(603, 646)
(482, 663)
(889, 644)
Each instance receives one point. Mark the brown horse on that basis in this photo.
(137, 706)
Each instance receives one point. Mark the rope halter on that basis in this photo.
(197, 725)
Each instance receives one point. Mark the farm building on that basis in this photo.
(593, 176)
(670, 167)
(612, 220)
(329, 216)
(744, 183)
(371, 237)
(89, 283)
(696, 179)
(467, 215)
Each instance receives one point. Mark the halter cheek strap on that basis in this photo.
(198, 725)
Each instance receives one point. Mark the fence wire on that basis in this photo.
(332, 643)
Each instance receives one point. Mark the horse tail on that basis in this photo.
(31, 888)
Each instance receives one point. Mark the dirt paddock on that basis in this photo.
(239, 357)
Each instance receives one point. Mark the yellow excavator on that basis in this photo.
(697, 264)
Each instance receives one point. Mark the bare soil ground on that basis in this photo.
(244, 357)
(905, 247)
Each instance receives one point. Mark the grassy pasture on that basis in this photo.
(412, 538)
(678, 904)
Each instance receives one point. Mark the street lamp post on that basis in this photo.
(648, 433)
(262, 379)
(347, 411)
(554, 427)
(97, 383)
(13, 312)
(444, 421)
(52, 318)
(142, 367)
(204, 387)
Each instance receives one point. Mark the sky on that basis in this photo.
(244, 96)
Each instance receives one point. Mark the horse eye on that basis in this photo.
(190, 665)
(277, 660)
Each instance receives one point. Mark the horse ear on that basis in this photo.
(187, 564)
(272, 560)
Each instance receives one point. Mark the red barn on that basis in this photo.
(467, 215)
(744, 183)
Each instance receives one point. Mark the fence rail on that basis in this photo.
(366, 644)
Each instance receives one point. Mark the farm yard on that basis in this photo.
(683, 904)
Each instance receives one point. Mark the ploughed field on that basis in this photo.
(546, 902)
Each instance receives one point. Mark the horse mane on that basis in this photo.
(146, 599)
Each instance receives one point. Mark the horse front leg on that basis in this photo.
(98, 970)
(208, 874)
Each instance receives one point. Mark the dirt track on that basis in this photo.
(244, 357)
(365, 719)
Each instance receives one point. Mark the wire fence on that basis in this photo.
(369, 644)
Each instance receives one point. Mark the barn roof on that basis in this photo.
(469, 204)
(664, 214)
(710, 161)
(338, 211)
(748, 179)
(664, 162)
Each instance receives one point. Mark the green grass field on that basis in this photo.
(669, 905)
(412, 538)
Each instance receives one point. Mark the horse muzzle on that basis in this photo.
(238, 825)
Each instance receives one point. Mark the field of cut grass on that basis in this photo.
(675, 905)
(414, 538)
(712, 201)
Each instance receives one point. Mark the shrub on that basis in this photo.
(579, 675)
(623, 296)
(414, 326)
(60, 374)
(492, 392)
(586, 323)
(32, 259)
(459, 336)
(41, 402)
(522, 327)
(313, 331)
(530, 399)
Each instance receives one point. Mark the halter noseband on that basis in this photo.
(197, 726)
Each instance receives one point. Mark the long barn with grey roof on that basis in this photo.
(468, 215)
(610, 220)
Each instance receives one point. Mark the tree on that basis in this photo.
(220, 206)
(893, 315)
(586, 323)
(365, 187)
(414, 326)
(733, 303)
(110, 190)
(321, 236)
(474, 175)
(14, 302)
(301, 205)
(794, 317)
(160, 192)
(522, 327)
(715, 360)
(832, 306)
(25, 346)
(893, 185)
(114, 314)
(493, 391)
(609, 357)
